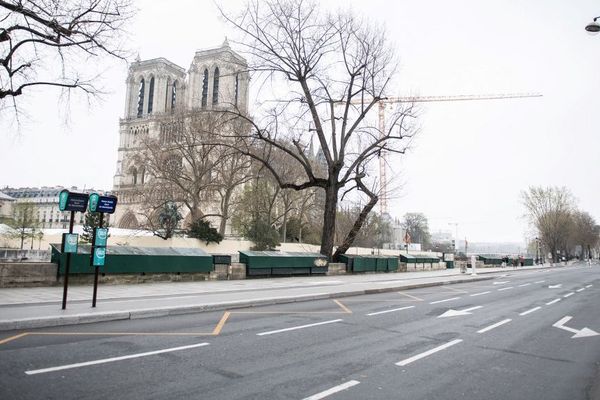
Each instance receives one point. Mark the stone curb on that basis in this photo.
(180, 310)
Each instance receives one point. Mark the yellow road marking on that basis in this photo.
(9, 339)
(411, 296)
(343, 307)
(221, 323)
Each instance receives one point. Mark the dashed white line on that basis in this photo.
(589, 286)
(479, 294)
(553, 301)
(333, 390)
(580, 290)
(112, 359)
(445, 300)
(389, 311)
(500, 282)
(497, 324)
(534, 309)
(525, 284)
(506, 288)
(568, 295)
(428, 353)
(542, 281)
(298, 327)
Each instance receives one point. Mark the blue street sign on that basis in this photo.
(72, 201)
(101, 237)
(99, 256)
(69, 242)
(93, 204)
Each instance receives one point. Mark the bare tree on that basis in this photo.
(416, 225)
(327, 72)
(550, 211)
(584, 232)
(184, 164)
(45, 42)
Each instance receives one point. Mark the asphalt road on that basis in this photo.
(493, 339)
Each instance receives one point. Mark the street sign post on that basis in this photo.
(70, 201)
(102, 205)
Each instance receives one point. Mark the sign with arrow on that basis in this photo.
(456, 313)
(555, 286)
(578, 333)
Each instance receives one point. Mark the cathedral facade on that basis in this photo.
(158, 89)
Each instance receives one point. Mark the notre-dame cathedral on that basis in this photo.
(217, 78)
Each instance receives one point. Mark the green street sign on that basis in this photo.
(101, 237)
(99, 256)
(63, 196)
(69, 242)
(93, 202)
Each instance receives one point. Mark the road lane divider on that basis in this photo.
(580, 290)
(506, 288)
(113, 359)
(333, 390)
(389, 311)
(500, 282)
(534, 309)
(480, 293)
(428, 353)
(525, 284)
(298, 327)
(445, 300)
(497, 324)
(569, 294)
(553, 301)
(589, 286)
(542, 281)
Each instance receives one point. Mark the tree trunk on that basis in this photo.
(284, 227)
(225, 212)
(329, 214)
(356, 227)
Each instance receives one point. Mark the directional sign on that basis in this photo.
(69, 242)
(578, 333)
(456, 313)
(99, 256)
(72, 201)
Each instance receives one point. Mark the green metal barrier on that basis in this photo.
(282, 263)
(135, 260)
(369, 263)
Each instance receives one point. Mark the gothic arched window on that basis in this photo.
(167, 94)
(150, 95)
(215, 93)
(134, 175)
(205, 89)
(140, 108)
(173, 95)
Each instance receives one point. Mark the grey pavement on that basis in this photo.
(26, 308)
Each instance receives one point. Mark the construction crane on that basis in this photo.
(425, 99)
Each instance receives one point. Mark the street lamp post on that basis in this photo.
(593, 27)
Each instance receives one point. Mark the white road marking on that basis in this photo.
(389, 311)
(568, 295)
(589, 286)
(445, 300)
(479, 294)
(500, 282)
(333, 390)
(506, 288)
(583, 332)
(534, 309)
(555, 286)
(525, 284)
(542, 281)
(112, 359)
(580, 290)
(497, 324)
(455, 313)
(428, 353)
(553, 301)
(298, 327)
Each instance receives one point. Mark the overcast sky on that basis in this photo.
(471, 159)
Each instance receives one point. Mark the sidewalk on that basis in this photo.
(26, 308)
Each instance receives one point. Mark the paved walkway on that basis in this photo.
(24, 308)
